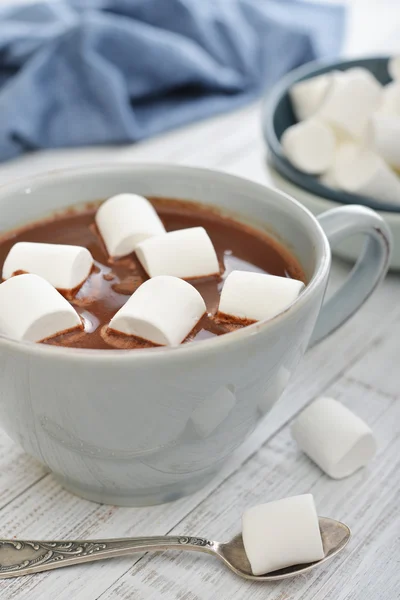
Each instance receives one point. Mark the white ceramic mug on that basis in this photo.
(148, 426)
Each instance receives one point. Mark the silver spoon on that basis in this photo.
(20, 557)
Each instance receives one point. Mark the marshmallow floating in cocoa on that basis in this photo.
(31, 309)
(333, 437)
(65, 267)
(307, 95)
(126, 220)
(163, 310)
(281, 534)
(309, 145)
(186, 253)
(256, 296)
(350, 101)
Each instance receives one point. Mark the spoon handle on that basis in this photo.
(21, 557)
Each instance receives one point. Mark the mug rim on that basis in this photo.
(207, 345)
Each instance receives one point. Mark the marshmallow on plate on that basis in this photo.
(368, 174)
(345, 153)
(309, 145)
(163, 310)
(333, 437)
(31, 309)
(256, 296)
(281, 534)
(125, 220)
(394, 67)
(65, 267)
(306, 96)
(390, 103)
(350, 101)
(384, 136)
(185, 253)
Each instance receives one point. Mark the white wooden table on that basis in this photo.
(359, 365)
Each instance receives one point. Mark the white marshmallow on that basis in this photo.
(368, 174)
(210, 413)
(125, 220)
(309, 145)
(333, 437)
(163, 310)
(281, 534)
(257, 296)
(185, 253)
(306, 96)
(390, 103)
(384, 134)
(345, 153)
(394, 67)
(350, 101)
(65, 267)
(31, 309)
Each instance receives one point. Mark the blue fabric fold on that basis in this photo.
(83, 72)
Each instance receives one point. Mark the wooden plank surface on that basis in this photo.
(358, 365)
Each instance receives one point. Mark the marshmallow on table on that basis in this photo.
(163, 310)
(394, 67)
(350, 101)
(185, 253)
(306, 96)
(384, 136)
(31, 309)
(281, 534)
(256, 296)
(125, 220)
(333, 437)
(368, 174)
(309, 145)
(65, 267)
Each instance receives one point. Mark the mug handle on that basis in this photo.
(369, 270)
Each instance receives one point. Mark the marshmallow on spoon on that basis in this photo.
(185, 253)
(309, 145)
(306, 96)
(65, 267)
(163, 310)
(384, 134)
(350, 101)
(31, 309)
(368, 174)
(281, 534)
(256, 296)
(333, 437)
(126, 220)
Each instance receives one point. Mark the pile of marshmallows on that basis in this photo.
(163, 310)
(286, 532)
(348, 131)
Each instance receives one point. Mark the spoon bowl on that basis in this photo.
(335, 535)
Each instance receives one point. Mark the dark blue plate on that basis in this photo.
(277, 115)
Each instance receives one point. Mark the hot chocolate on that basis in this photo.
(113, 280)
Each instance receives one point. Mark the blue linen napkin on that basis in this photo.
(80, 72)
